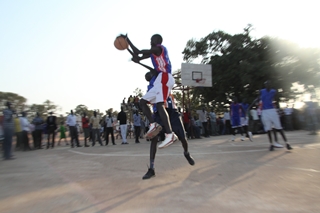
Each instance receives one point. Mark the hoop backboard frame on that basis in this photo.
(196, 75)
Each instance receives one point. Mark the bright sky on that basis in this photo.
(62, 50)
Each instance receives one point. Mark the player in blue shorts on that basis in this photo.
(161, 89)
(269, 115)
(235, 114)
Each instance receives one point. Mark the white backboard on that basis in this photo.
(196, 75)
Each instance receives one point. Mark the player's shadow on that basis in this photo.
(126, 196)
(217, 177)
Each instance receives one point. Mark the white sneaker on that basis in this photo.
(242, 138)
(233, 138)
(277, 145)
(170, 138)
(154, 130)
(250, 136)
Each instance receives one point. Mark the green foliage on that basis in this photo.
(138, 92)
(18, 102)
(241, 64)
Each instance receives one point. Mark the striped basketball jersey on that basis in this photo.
(162, 62)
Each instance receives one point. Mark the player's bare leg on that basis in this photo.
(270, 140)
(154, 128)
(284, 138)
(275, 143)
(153, 151)
(170, 136)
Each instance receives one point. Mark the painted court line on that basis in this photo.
(167, 154)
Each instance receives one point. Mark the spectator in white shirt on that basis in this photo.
(25, 125)
(288, 118)
(203, 117)
(227, 123)
(72, 124)
(255, 119)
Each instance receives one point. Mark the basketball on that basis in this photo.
(121, 43)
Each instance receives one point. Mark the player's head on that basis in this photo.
(8, 104)
(235, 99)
(84, 114)
(94, 113)
(156, 39)
(109, 113)
(267, 84)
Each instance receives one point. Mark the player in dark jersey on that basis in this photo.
(177, 126)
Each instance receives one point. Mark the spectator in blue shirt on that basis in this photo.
(137, 125)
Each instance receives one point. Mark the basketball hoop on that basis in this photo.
(200, 81)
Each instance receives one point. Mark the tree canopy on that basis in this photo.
(241, 64)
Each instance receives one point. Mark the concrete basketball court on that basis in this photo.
(227, 177)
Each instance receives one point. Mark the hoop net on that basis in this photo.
(200, 81)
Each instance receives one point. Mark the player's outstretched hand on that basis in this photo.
(124, 36)
(135, 59)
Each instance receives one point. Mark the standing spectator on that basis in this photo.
(52, 126)
(72, 122)
(227, 123)
(137, 125)
(203, 117)
(18, 132)
(136, 102)
(255, 120)
(85, 127)
(214, 126)
(25, 125)
(288, 118)
(199, 126)
(62, 131)
(8, 129)
(38, 128)
(142, 128)
(96, 128)
(109, 128)
(311, 117)
(122, 118)
(195, 130)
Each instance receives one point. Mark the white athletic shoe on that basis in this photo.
(170, 138)
(242, 138)
(154, 130)
(277, 145)
(250, 136)
(233, 138)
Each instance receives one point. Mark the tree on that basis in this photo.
(80, 109)
(138, 92)
(18, 102)
(49, 106)
(242, 64)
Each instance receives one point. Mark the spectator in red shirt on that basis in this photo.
(85, 127)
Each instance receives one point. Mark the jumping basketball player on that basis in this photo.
(161, 89)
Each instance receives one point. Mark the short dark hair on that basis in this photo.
(158, 38)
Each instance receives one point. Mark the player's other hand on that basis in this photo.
(135, 59)
(124, 36)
